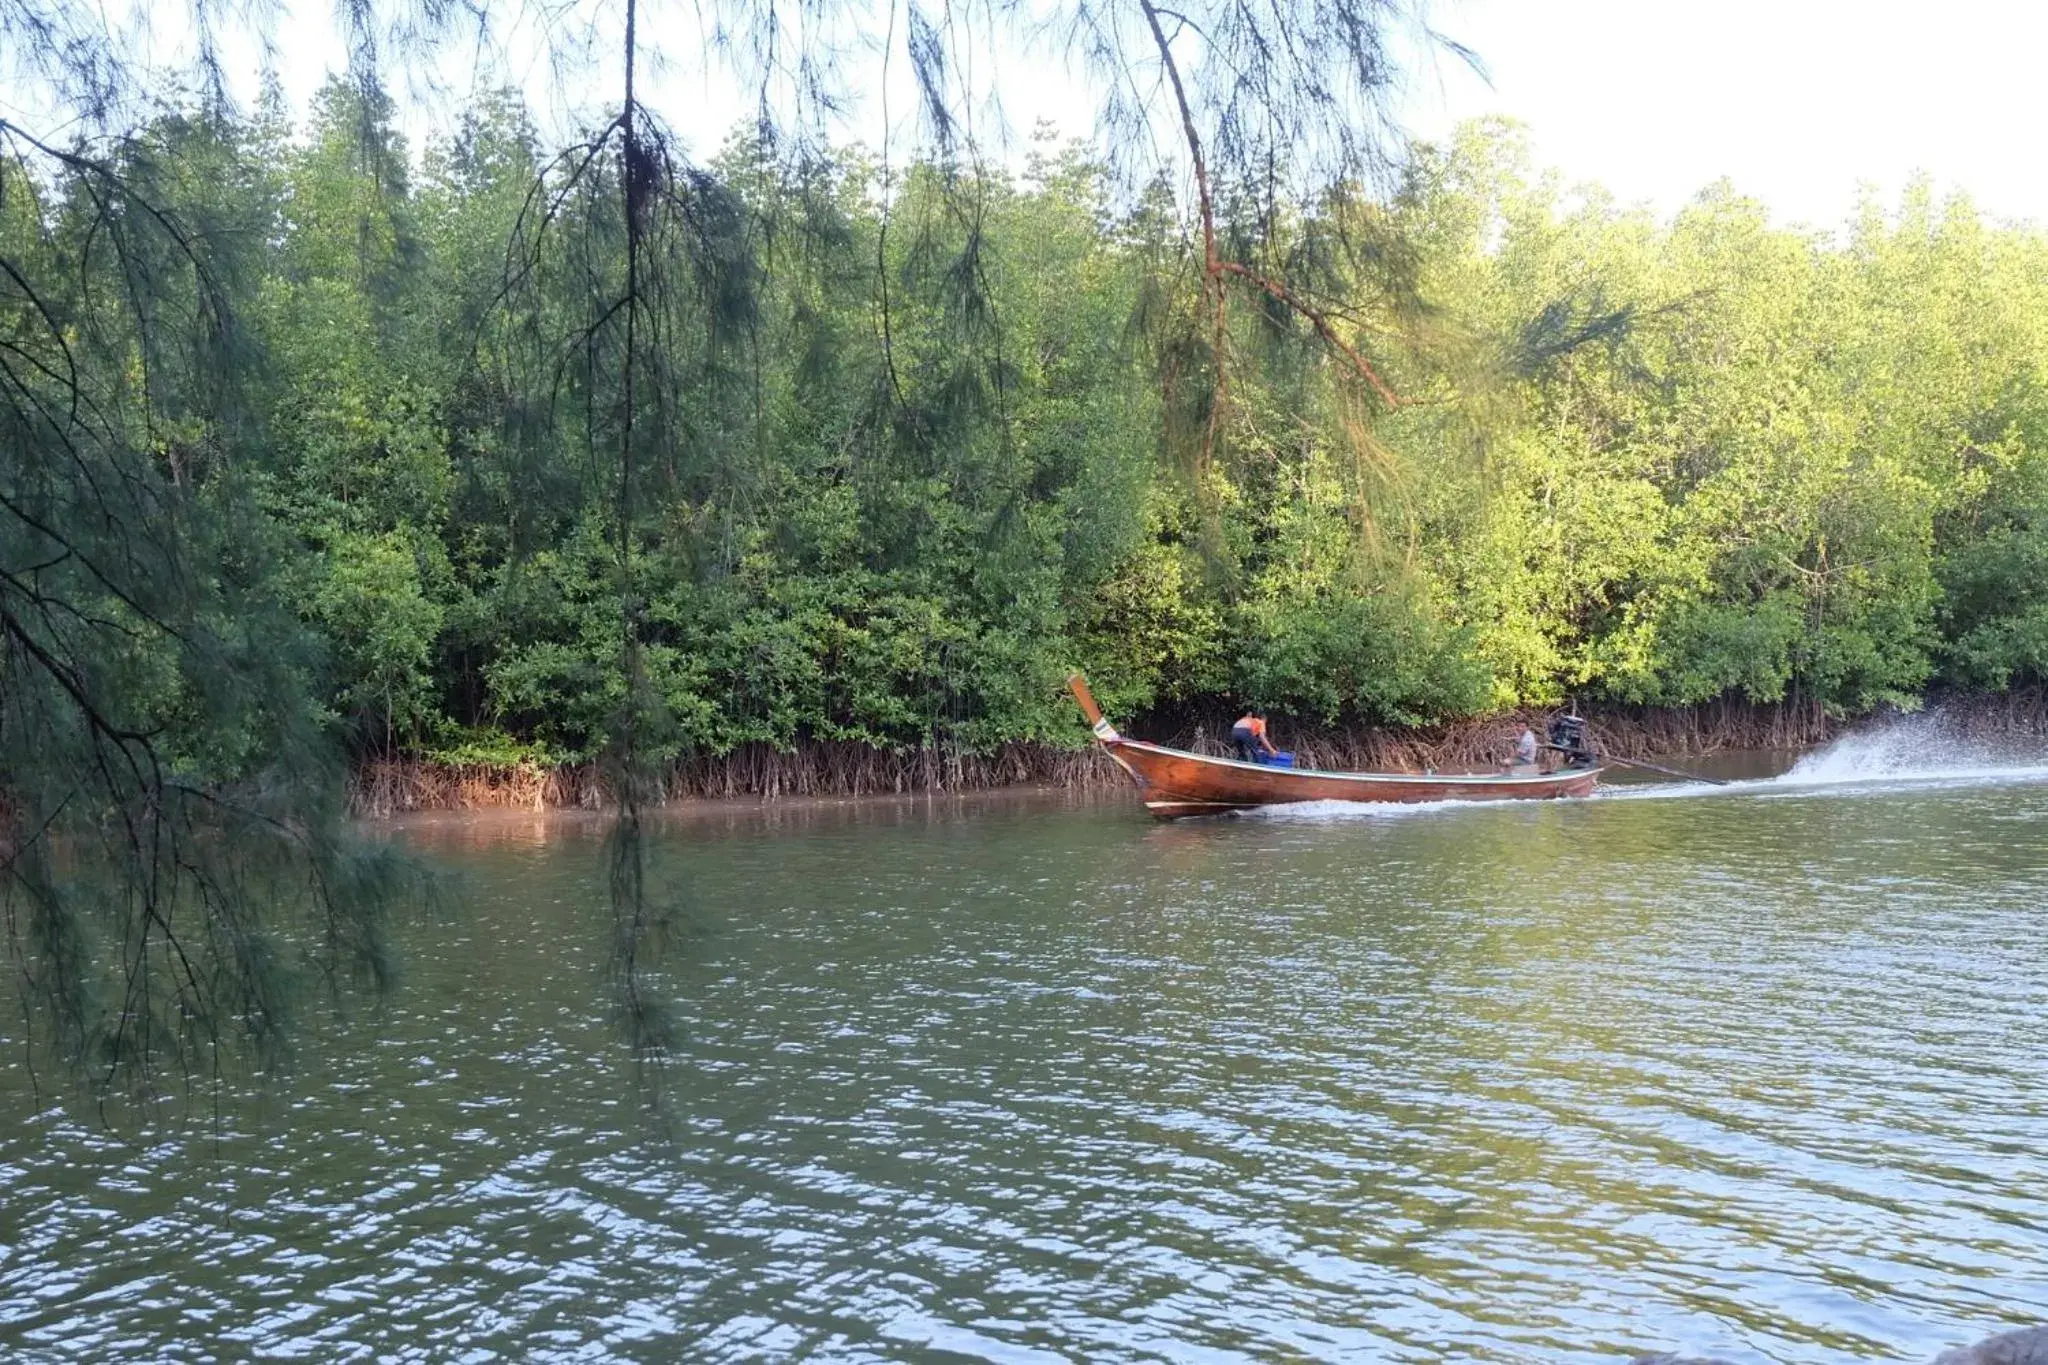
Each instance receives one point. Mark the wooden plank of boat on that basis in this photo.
(1174, 782)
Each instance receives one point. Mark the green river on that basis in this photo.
(1755, 1070)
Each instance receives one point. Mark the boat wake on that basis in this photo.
(1357, 810)
(1908, 752)
(1923, 752)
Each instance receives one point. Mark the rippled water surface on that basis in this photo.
(1755, 1070)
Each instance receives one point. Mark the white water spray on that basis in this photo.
(1930, 747)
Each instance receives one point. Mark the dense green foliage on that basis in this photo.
(1777, 480)
(1658, 463)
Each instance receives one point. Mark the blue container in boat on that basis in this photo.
(1283, 759)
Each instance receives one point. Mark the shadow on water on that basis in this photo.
(1741, 1071)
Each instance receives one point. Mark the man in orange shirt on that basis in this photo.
(1249, 735)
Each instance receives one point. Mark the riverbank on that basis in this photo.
(752, 771)
(382, 788)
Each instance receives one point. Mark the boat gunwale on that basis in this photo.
(1430, 779)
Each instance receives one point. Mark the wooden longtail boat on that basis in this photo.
(1174, 782)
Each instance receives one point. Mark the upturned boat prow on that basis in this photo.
(1174, 783)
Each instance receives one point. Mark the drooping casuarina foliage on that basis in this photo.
(265, 435)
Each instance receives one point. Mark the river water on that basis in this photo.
(1755, 1070)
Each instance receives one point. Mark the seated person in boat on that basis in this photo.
(1525, 752)
(1249, 735)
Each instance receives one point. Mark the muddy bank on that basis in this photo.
(384, 787)
(754, 771)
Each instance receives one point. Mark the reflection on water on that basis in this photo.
(1744, 1071)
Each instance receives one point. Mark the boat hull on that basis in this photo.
(1175, 783)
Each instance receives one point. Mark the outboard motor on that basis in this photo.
(1568, 736)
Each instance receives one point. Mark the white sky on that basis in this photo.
(1798, 102)
(1795, 101)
